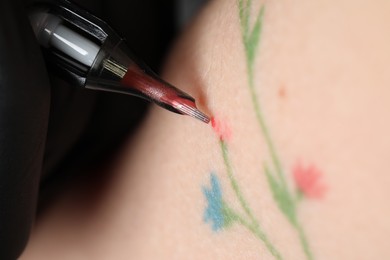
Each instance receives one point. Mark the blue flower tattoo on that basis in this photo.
(214, 211)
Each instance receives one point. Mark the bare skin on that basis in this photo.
(322, 77)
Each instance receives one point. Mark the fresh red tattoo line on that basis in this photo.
(222, 130)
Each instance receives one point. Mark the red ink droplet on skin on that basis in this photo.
(309, 181)
(213, 122)
(221, 129)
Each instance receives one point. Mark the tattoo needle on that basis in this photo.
(87, 52)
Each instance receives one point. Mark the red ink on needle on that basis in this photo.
(221, 129)
(108, 65)
(151, 87)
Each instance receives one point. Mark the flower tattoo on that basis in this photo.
(307, 179)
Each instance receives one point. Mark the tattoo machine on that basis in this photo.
(85, 51)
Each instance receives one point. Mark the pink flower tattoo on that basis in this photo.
(308, 180)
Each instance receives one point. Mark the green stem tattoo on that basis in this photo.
(253, 225)
(305, 244)
(307, 180)
(281, 192)
(256, 230)
(233, 180)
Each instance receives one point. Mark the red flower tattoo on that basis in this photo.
(309, 181)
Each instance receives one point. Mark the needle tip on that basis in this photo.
(192, 111)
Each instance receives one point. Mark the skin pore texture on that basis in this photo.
(293, 166)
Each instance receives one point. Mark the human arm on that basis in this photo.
(321, 89)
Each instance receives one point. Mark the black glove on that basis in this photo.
(48, 127)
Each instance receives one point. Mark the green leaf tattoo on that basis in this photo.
(284, 198)
(307, 179)
(221, 215)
